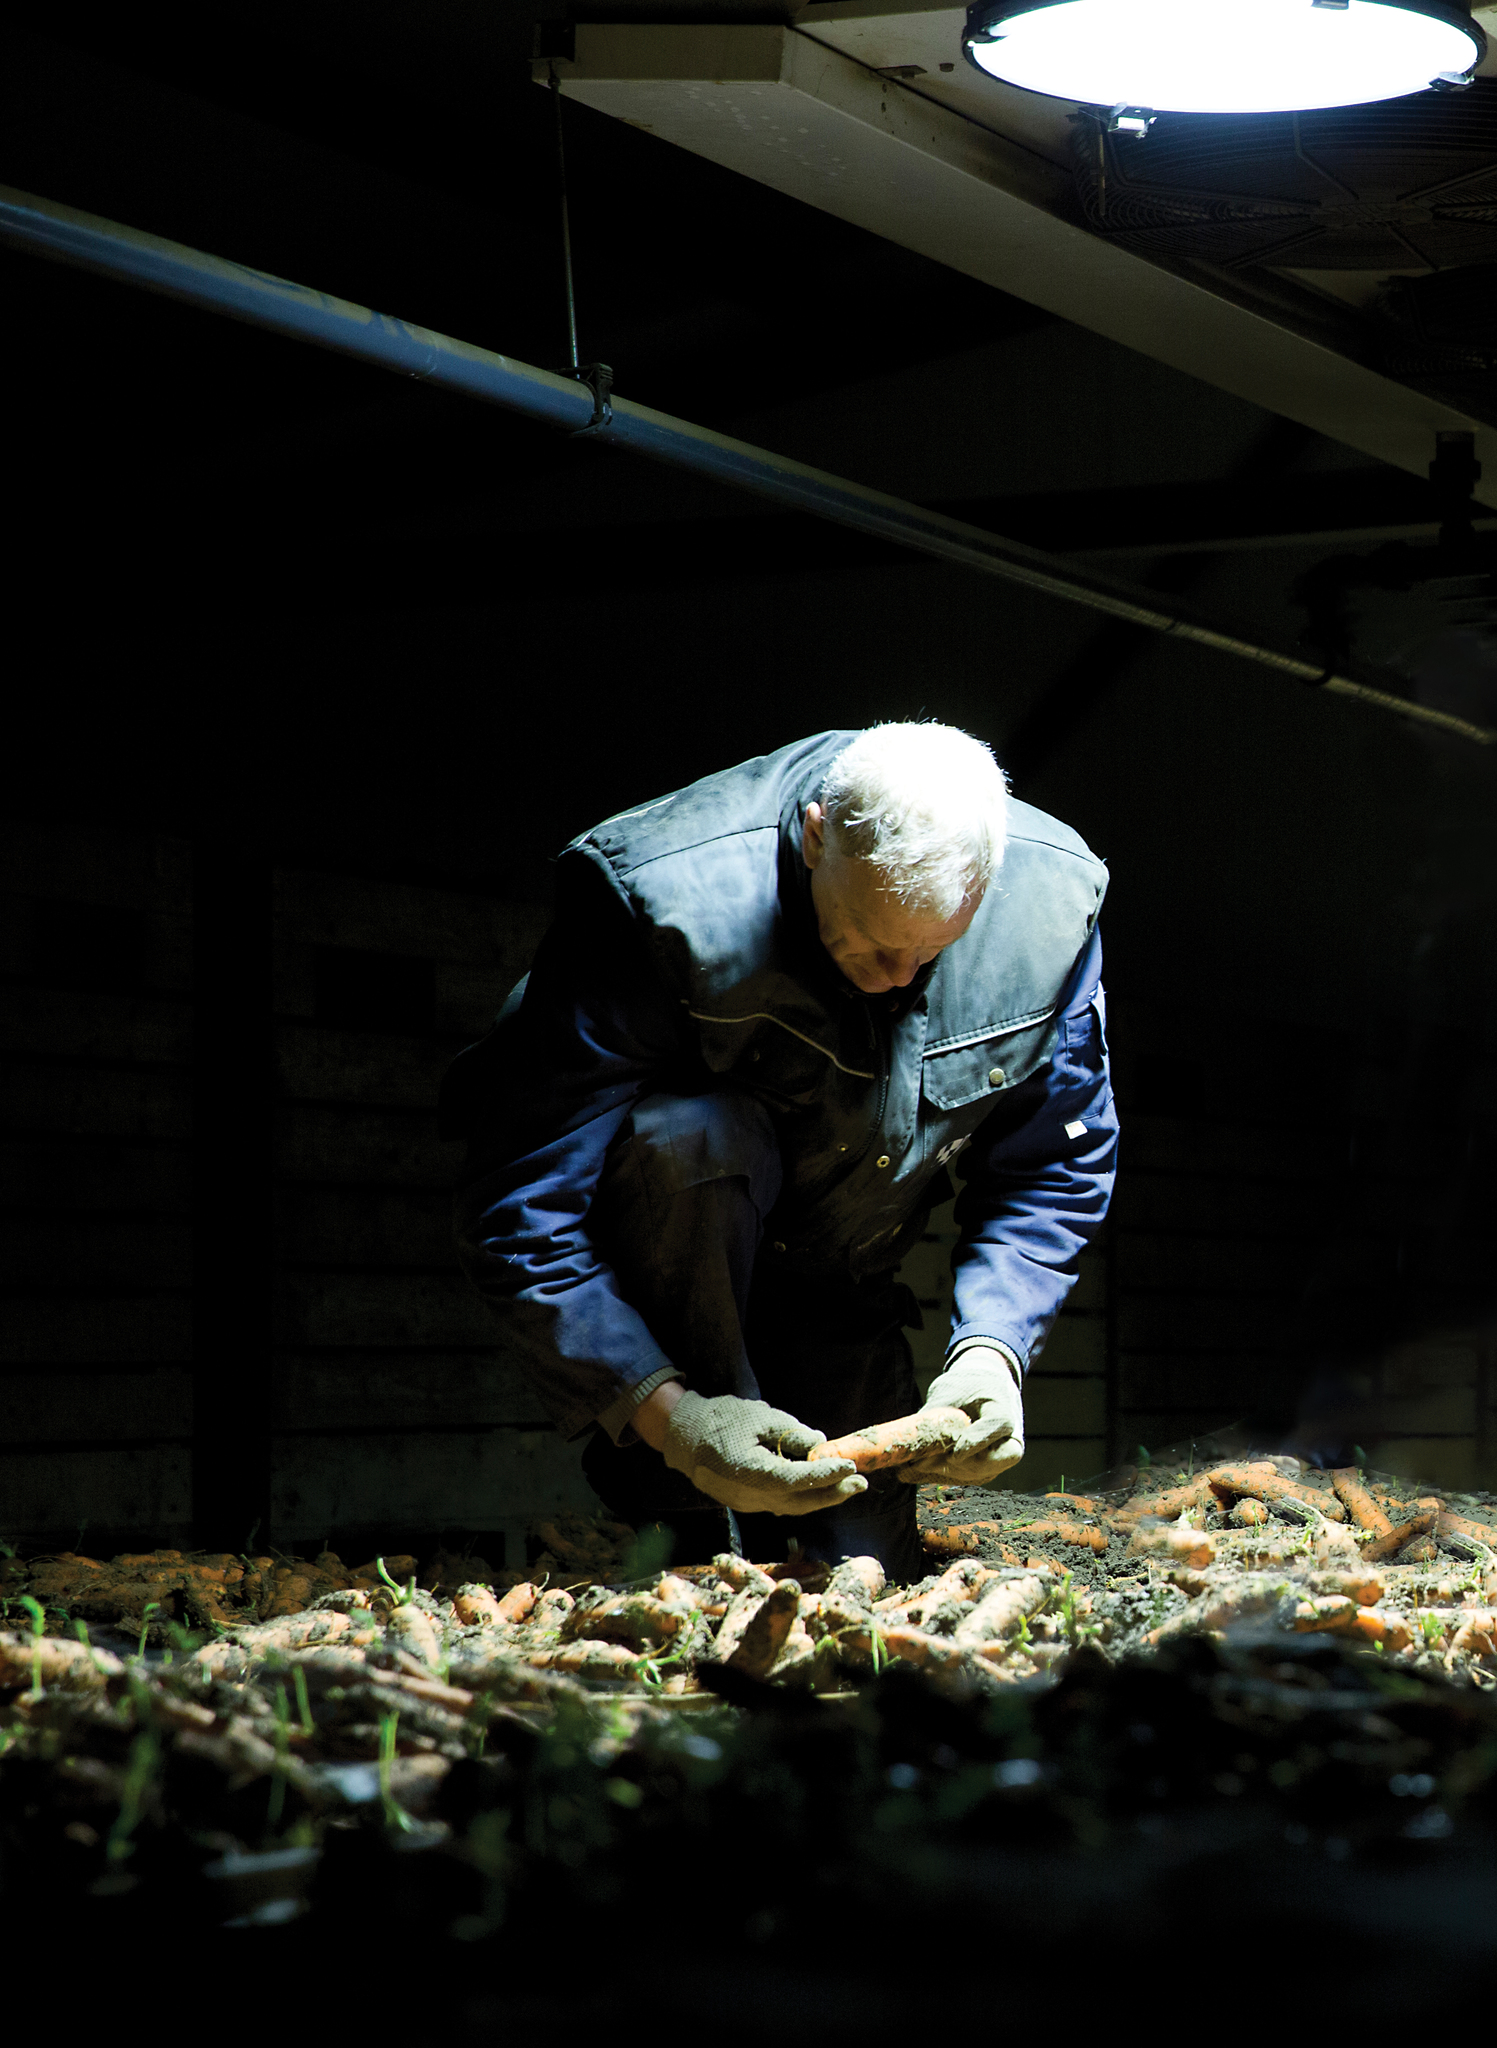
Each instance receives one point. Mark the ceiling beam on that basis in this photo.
(787, 109)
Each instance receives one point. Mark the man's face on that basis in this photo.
(876, 942)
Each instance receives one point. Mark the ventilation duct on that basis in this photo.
(1403, 185)
(1441, 331)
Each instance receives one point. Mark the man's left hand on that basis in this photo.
(984, 1383)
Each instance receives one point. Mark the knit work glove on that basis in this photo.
(984, 1383)
(752, 1457)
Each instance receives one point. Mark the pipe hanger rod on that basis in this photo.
(86, 242)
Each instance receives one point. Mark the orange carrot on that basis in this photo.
(1365, 1587)
(898, 1442)
(768, 1632)
(1359, 1503)
(963, 1538)
(476, 1607)
(518, 1602)
(1078, 1501)
(69, 1666)
(738, 1573)
(1254, 1593)
(1263, 1482)
(1323, 1611)
(1191, 1493)
(861, 1578)
(1377, 1625)
(1001, 1609)
(589, 1660)
(1178, 1546)
(1477, 1635)
(1391, 1543)
(957, 1586)
(1457, 1525)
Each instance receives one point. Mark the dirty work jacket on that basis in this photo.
(684, 956)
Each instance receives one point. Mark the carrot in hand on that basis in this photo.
(899, 1442)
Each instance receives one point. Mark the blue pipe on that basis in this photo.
(85, 242)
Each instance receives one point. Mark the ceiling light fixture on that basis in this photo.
(1223, 57)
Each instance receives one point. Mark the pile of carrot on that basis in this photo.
(1257, 1543)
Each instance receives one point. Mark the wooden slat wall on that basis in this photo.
(389, 1405)
(392, 1408)
(95, 1193)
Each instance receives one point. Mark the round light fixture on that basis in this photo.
(1224, 56)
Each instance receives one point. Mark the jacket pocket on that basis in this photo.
(955, 1075)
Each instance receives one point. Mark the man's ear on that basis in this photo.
(813, 836)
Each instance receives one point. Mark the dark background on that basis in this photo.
(301, 654)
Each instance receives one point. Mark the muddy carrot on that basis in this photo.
(768, 1631)
(1365, 1587)
(1191, 1493)
(589, 1660)
(914, 1646)
(1320, 1611)
(1078, 1501)
(958, 1586)
(71, 1667)
(1079, 1533)
(1477, 1635)
(1002, 1608)
(1178, 1546)
(1458, 1525)
(476, 1607)
(861, 1578)
(637, 1618)
(1377, 1625)
(1254, 1593)
(738, 1573)
(552, 1609)
(898, 1442)
(1359, 1503)
(1390, 1544)
(518, 1602)
(1263, 1482)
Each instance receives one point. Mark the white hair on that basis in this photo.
(927, 805)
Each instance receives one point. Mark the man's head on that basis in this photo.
(905, 837)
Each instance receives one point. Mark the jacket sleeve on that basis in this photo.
(1036, 1192)
(550, 1088)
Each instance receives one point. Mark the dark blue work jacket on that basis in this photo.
(684, 956)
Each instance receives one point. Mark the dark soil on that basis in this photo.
(1013, 1512)
(775, 1867)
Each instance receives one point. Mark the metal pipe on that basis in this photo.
(86, 242)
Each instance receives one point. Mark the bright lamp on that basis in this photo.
(1224, 56)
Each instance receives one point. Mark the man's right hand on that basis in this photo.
(753, 1458)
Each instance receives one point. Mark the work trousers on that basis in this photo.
(680, 1214)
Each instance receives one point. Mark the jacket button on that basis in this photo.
(778, 1246)
(995, 1077)
(882, 1160)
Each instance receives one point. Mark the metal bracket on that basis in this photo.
(1134, 121)
(598, 377)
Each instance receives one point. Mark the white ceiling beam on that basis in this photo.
(784, 107)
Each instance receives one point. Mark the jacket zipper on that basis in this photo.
(881, 1062)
